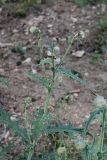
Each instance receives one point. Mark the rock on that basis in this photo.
(28, 60)
(49, 26)
(15, 31)
(3, 45)
(74, 19)
(76, 95)
(86, 74)
(78, 54)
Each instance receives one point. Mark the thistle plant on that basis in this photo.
(33, 127)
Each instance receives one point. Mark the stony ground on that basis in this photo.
(55, 22)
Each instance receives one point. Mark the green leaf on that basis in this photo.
(69, 73)
(5, 150)
(44, 81)
(45, 61)
(61, 128)
(40, 123)
(5, 119)
(90, 119)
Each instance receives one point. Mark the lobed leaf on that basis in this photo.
(5, 118)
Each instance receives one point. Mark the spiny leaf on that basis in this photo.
(69, 129)
(71, 75)
(44, 81)
(39, 124)
(90, 119)
(5, 150)
(5, 118)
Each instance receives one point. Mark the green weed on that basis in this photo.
(32, 128)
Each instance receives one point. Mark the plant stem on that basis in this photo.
(102, 130)
(47, 101)
(69, 47)
(30, 154)
(53, 68)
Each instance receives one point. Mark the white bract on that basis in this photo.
(61, 150)
(34, 71)
(60, 78)
(28, 60)
(34, 29)
(57, 50)
(82, 34)
(80, 144)
(57, 60)
(100, 101)
(49, 53)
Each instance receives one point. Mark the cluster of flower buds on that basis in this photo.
(100, 101)
(55, 53)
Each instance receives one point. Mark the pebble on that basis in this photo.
(87, 116)
(86, 74)
(15, 31)
(76, 95)
(49, 26)
(28, 60)
(78, 54)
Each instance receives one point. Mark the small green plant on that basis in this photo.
(34, 126)
(97, 57)
(101, 40)
(92, 2)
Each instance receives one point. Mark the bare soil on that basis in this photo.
(55, 22)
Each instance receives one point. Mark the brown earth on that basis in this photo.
(55, 22)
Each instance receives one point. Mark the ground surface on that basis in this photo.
(56, 21)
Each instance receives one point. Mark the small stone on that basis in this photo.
(34, 71)
(49, 26)
(78, 54)
(24, 87)
(28, 60)
(74, 19)
(76, 95)
(15, 31)
(87, 116)
(86, 74)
